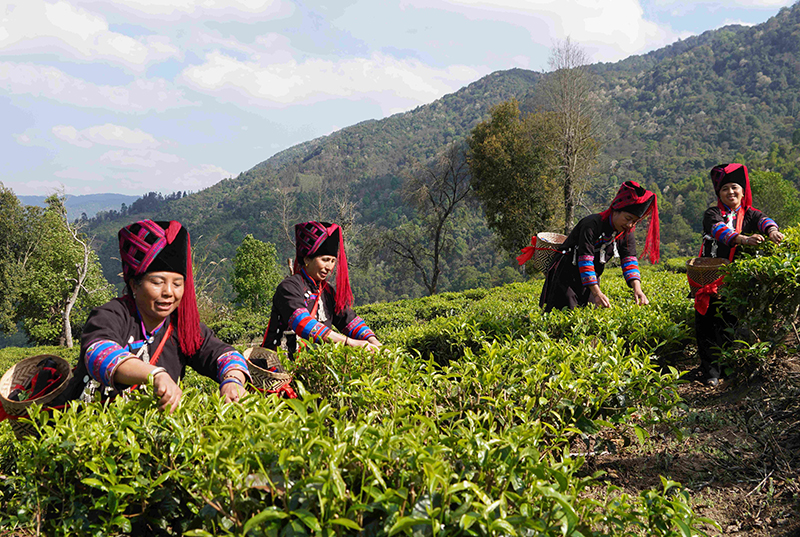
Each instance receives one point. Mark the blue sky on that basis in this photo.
(131, 96)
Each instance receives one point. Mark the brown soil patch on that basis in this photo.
(736, 450)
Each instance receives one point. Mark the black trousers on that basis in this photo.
(713, 332)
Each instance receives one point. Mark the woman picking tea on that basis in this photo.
(574, 278)
(731, 223)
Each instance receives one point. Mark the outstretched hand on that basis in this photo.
(599, 299)
(167, 391)
(775, 236)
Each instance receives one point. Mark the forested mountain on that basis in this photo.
(669, 116)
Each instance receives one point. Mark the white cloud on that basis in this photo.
(80, 175)
(609, 29)
(172, 10)
(203, 177)
(731, 3)
(140, 96)
(36, 27)
(281, 84)
(71, 135)
(108, 134)
(141, 158)
(39, 188)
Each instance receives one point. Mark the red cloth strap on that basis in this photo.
(527, 252)
(154, 358)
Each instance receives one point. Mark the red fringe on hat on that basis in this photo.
(344, 295)
(747, 200)
(189, 334)
(652, 243)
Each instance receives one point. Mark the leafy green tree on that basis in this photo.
(256, 273)
(776, 197)
(11, 227)
(437, 190)
(61, 280)
(513, 173)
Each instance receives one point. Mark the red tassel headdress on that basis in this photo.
(148, 246)
(722, 174)
(322, 238)
(637, 200)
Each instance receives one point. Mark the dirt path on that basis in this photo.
(737, 452)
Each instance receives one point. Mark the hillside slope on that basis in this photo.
(729, 94)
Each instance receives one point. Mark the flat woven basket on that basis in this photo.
(701, 271)
(547, 247)
(263, 378)
(19, 374)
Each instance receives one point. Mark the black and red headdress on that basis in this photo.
(637, 200)
(148, 246)
(313, 239)
(722, 174)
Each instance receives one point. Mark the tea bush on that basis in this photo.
(460, 425)
(299, 467)
(763, 291)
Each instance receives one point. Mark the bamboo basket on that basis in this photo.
(547, 247)
(701, 271)
(263, 378)
(20, 373)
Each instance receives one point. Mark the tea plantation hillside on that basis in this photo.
(481, 416)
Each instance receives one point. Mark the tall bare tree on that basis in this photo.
(436, 190)
(568, 93)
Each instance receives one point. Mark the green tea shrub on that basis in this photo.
(763, 292)
(460, 425)
(11, 355)
(299, 467)
(240, 326)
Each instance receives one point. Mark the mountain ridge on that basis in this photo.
(726, 94)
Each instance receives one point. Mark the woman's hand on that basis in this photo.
(135, 371)
(775, 235)
(752, 240)
(364, 343)
(638, 294)
(641, 298)
(168, 392)
(598, 298)
(232, 392)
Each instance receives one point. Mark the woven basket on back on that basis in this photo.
(547, 247)
(19, 374)
(262, 377)
(701, 271)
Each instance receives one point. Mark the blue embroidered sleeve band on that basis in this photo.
(102, 359)
(586, 269)
(722, 233)
(765, 223)
(307, 327)
(231, 361)
(630, 269)
(358, 329)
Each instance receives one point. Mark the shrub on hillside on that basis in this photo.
(763, 291)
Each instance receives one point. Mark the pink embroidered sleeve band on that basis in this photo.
(630, 269)
(307, 327)
(723, 234)
(102, 359)
(586, 269)
(231, 361)
(358, 329)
